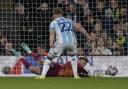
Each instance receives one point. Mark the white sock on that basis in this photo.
(46, 67)
(74, 67)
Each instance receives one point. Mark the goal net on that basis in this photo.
(27, 21)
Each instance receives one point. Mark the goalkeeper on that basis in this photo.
(56, 69)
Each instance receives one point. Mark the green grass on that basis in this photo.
(63, 83)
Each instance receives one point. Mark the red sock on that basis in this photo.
(26, 64)
(35, 56)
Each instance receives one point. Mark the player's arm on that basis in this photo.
(52, 28)
(52, 37)
(79, 27)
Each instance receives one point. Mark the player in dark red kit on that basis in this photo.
(56, 69)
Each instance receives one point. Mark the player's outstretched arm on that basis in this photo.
(80, 28)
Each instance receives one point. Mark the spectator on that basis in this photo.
(19, 9)
(91, 45)
(93, 36)
(113, 5)
(121, 39)
(100, 9)
(101, 48)
(84, 4)
(20, 14)
(116, 49)
(88, 21)
(123, 15)
(80, 51)
(43, 20)
(107, 21)
(71, 12)
(98, 28)
(5, 46)
(3, 41)
(24, 22)
(124, 26)
(107, 39)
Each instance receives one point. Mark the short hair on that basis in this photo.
(83, 58)
(6, 69)
(57, 11)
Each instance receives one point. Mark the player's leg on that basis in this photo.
(33, 69)
(72, 49)
(19, 57)
(28, 50)
(74, 65)
(25, 63)
(36, 70)
(46, 67)
(54, 52)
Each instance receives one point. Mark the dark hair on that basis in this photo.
(57, 11)
(6, 69)
(83, 58)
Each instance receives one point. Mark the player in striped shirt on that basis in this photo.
(62, 38)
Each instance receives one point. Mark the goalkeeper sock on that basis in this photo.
(46, 67)
(74, 67)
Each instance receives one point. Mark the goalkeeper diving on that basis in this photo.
(56, 69)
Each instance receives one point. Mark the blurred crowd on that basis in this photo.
(105, 20)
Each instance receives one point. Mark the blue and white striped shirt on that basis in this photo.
(64, 30)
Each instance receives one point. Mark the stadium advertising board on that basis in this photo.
(104, 66)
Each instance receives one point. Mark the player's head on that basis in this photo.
(6, 69)
(82, 61)
(57, 12)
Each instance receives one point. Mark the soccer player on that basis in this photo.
(38, 53)
(63, 29)
(56, 69)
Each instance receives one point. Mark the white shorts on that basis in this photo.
(59, 48)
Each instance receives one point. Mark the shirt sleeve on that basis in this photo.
(52, 26)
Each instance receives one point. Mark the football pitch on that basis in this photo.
(63, 83)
